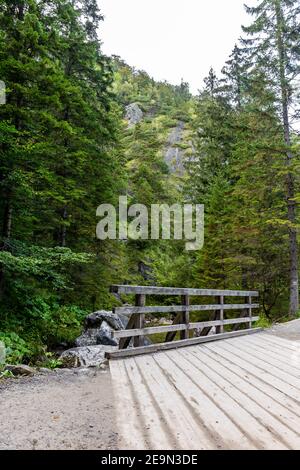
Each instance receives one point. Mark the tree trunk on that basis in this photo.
(63, 230)
(290, 184)
(7, 220)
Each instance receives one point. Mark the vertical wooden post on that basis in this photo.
(184, 334)
(140, 300)
(220, 314)
(250, 311)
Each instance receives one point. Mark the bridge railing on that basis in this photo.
(137, 330)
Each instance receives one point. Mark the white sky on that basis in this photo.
(173, 39)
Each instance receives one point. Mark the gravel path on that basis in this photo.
(60, 410)
(290, 330)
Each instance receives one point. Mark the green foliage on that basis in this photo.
(65, 148)
(263, 322)
(16, 347)
(59, 159)
(6, 374)
(51, 362)
(239, 172)
(64, 324)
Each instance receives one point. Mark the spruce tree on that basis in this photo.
(274, 46)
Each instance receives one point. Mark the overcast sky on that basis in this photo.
(173, 39)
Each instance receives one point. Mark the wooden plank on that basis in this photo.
(242, 412)
(232, 321)
(124, 289)
(178, 344)
(124, 343)
(206, 330)
(262, 363)
(250, 312)
(184, 334)
(248, 366)
(182, 425)
(140, 320)
(281, 363)
(178, 327)
(148, 331)
(277, 352)
(123, 391)
(205, 404)
(250, 374)
(288, 345)
(181, 308)
(244, 314)
(220, 315)
(172, 334)
(258, 406)
(151, 413)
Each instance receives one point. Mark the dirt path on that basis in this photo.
(290, 330)
(60, 410)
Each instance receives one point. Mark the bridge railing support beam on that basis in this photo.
(140, 301)
(185, 300)
(220, 314)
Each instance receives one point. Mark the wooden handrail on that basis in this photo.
(136, 330)
(149, 290)
(180, 327)
(181, 308)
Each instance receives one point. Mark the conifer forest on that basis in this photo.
(79, 129)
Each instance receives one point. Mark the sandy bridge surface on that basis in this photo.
(60, 410)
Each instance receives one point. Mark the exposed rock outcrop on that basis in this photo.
(134, 114)
(174, 156)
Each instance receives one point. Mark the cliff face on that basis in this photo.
(134, 114)
(155, 110)
(156, 143)
(174, 155)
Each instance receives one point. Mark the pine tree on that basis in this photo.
(258, 226)
(23, 63)
(274, 46)
(234, 81)
(59, 159)
(237, 173)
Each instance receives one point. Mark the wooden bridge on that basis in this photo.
(136, 329)
(229, 390)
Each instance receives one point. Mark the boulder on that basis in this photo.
(88, 338)
(88, 356)
(95, 319)
(20, 370)
(99, 327)
(105, 335)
